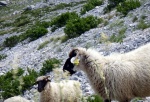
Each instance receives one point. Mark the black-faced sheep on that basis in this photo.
(16, 99)
(117, 77)
(64, 91)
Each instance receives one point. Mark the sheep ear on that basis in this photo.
(75, 60)
(47, 78)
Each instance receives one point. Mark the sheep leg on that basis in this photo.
(107, 100)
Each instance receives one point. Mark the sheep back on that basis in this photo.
(65, 91)
(16, 99)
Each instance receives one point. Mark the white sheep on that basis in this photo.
(64, 91)
(119, 77)
(16, 99)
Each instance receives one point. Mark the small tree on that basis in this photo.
(128, 5)
(36, 32)
(48, 66)
(76, 27)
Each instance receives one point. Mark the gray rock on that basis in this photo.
(3, 3)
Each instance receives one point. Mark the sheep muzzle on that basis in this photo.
(68, 66)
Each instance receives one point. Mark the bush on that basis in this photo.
(10, 83)
(90, 5)
(61, 20)
(128, 5)
(11, 41)
(36, 32)
(48, 66)
(43, 24)
(112, 4)
(76, 27)
(29, 79)
(14, 83)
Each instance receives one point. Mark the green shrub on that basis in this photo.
(112, 4)
(32, 33)
(15, 83)
(128, 5)
(21, 21)
(36, 32)
(91, 4)
(115, 2)
(29, 79)
(10, 83)
(62, 19)
(43, 24)
(76, 27)
(11, 41)
(48, 66)
(2, 56)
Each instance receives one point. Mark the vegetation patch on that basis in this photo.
(43, 45)
(142, 25)
(91, 4)
(36, 32)
(127, 6)
(33, 33)
(11, 41)
(15, 82)
(10, 83)
(119, 37)
(112, 4)
(76, 27)
(61, 20)
(2, 56)
(21, 21)
(48, 66)
(29, 79)
(116, 24)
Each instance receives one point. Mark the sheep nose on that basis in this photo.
(40, 89)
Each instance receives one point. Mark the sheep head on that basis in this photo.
(42, 81)
(74, 60)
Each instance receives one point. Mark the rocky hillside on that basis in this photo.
(118, 33)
